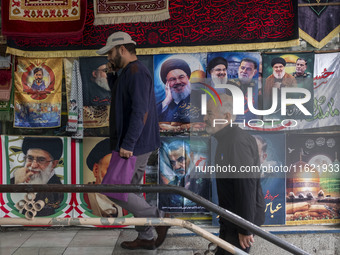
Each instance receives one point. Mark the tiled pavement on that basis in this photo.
(323, 240)
(89, 241)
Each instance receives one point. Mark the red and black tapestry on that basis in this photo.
(217, 25)
(318, 23)
(43, 19)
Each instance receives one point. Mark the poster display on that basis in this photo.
(175, 91)
(326, 88)
(178, 157)
(35, 160)
(313, 185)
(96, 91)
(37, 97)
(273, 182)
(307, 193)
(288, 72)
(96, 159)
(240, 69)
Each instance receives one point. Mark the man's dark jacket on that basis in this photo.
(242, 196)
(133, 116)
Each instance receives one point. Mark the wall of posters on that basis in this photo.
(180, 80)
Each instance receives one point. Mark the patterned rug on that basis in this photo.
(44, 19)
(132, 11)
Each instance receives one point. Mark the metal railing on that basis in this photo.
(130, 188)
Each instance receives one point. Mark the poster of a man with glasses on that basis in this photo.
(40, 157)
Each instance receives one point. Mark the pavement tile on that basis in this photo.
(134, 252)
(89, 251)
(39, 251)
(50, 238)
(14, 238)
(100, 232)
(174, 252)
(86, 239)
(7, 250)
(185, 243)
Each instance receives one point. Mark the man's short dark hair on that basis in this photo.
(129, 46)
(301, 59)
(178, 144)
(37, 69)
(249, 60)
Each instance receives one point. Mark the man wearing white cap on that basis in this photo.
(133, 127)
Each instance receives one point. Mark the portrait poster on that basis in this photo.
(96, 89)
(37, 99)
(179, 158)
(313, 184)
(36, 160)
(272, 157)
(326, 93)
(96, 92)
(242, 71)
(96, 159)
(177, 96)
(281, 70)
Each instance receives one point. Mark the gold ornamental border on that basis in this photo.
(160, 50)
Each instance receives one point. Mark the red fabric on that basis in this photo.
(192, 23)
(43, 29)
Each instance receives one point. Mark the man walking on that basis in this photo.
(238, 193)
(133, 127)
